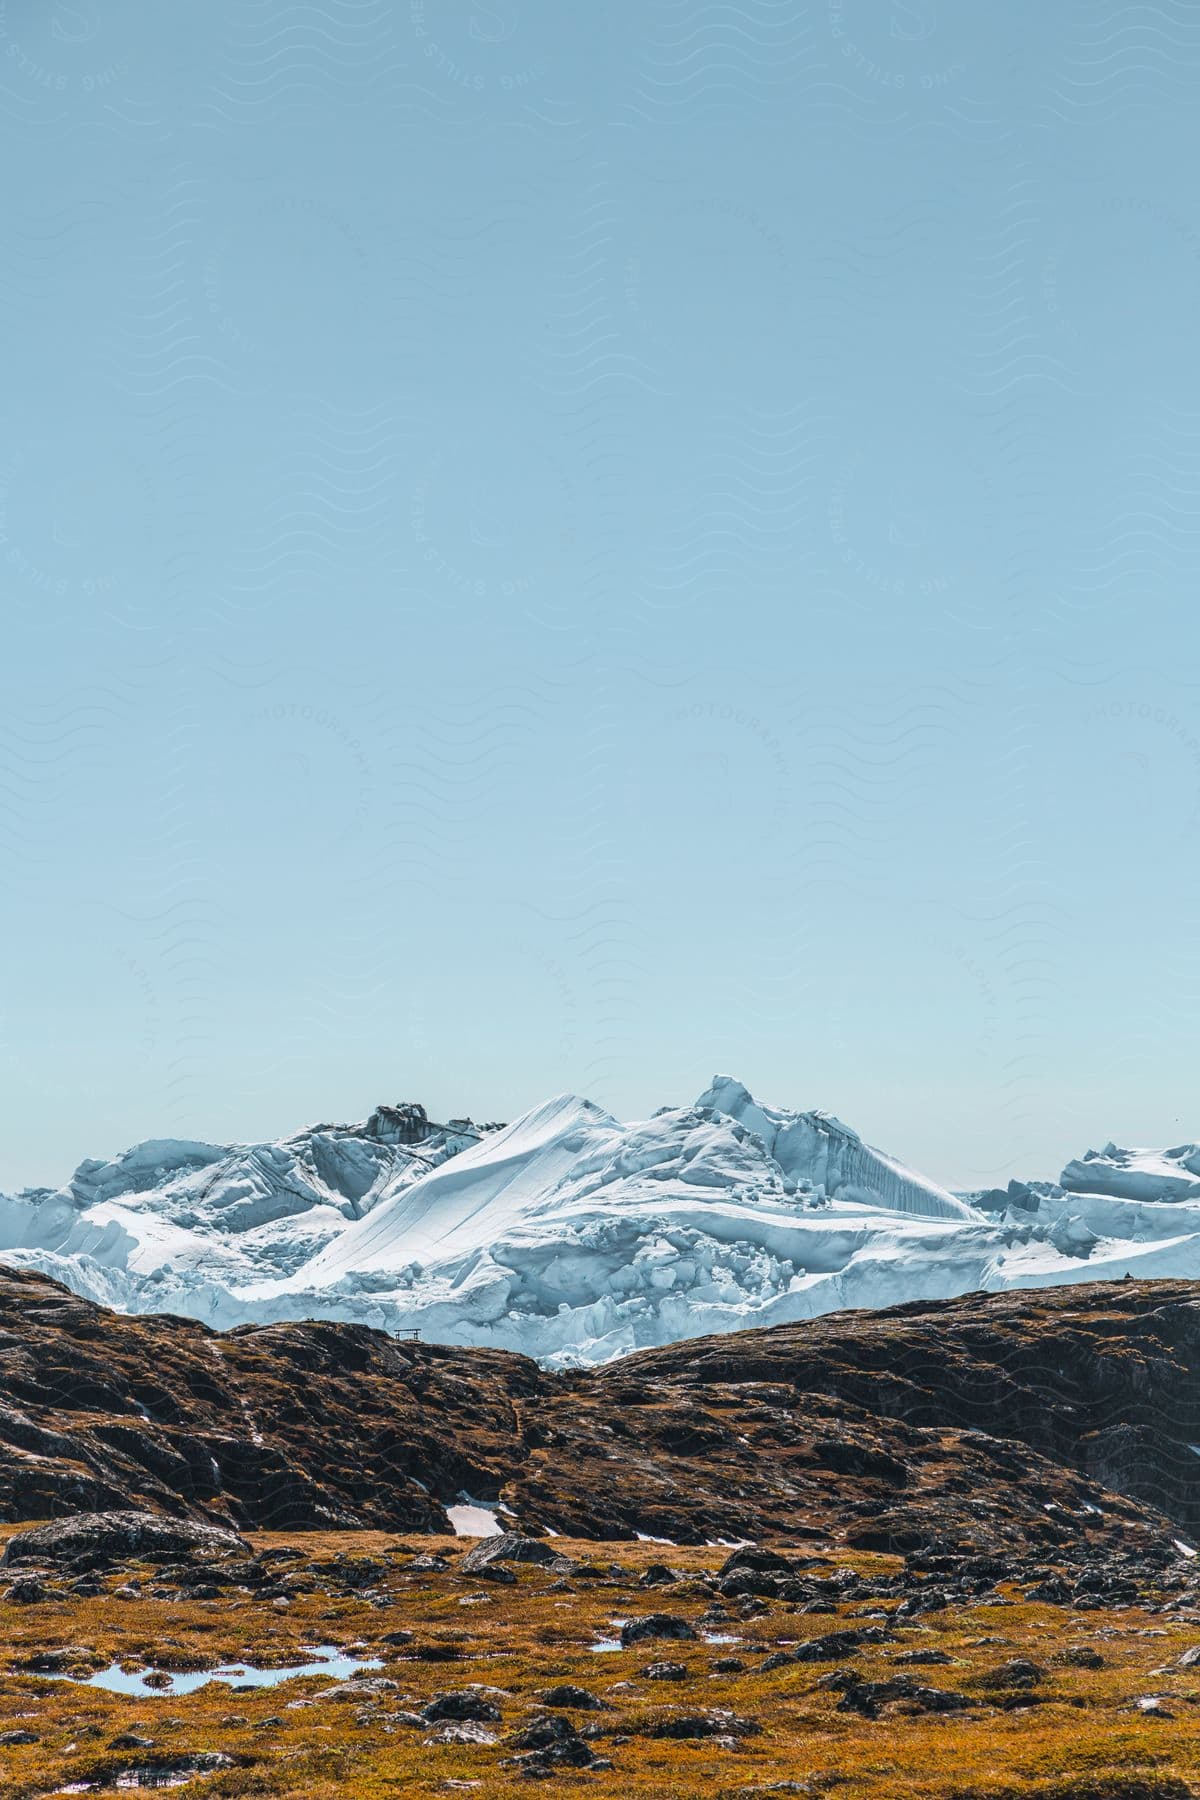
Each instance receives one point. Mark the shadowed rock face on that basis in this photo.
(1018, 1424)
(315, 1425)
(1102, 1379)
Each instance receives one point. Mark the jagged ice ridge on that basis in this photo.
(573, 1237)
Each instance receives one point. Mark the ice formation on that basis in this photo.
(573, 1237)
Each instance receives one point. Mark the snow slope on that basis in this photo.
(574, 1237)
(169, 1212)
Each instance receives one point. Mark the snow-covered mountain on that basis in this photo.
(571, 1236)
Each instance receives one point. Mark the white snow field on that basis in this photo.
(575, 1238)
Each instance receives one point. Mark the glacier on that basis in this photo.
(573, 1237)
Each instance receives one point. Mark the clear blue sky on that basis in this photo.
(551, 546)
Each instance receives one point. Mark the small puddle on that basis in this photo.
(329, 1661)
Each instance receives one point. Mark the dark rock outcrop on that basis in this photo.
(1043, 1435)
(466, 1704)
(716, 1724)
(318, 1426)
(510, 1546)
(868, 1698)
(98, 1540)
(655, 1625)
(577, 1698)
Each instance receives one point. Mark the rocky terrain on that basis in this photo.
(941, 1552)
(1034, 1428)
(142, 1652)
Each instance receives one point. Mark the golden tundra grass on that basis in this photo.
(1088, 1737)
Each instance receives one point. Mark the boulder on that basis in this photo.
(28, 1592)
(868, 1697)
(464, 1731)
(467, 1705)
(758, 1558)
(543, 1734)
(360, 1688)
(715, 1724)
(658, 1575)
(835, 1646)
(581, 1699)
(1019, 1673)
(654, 1625)
(550, 1744)
(99, 1539)
(510, 1546)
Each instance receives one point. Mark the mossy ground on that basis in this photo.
(1080, 1727)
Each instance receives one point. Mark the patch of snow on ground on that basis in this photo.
(471, 1519)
